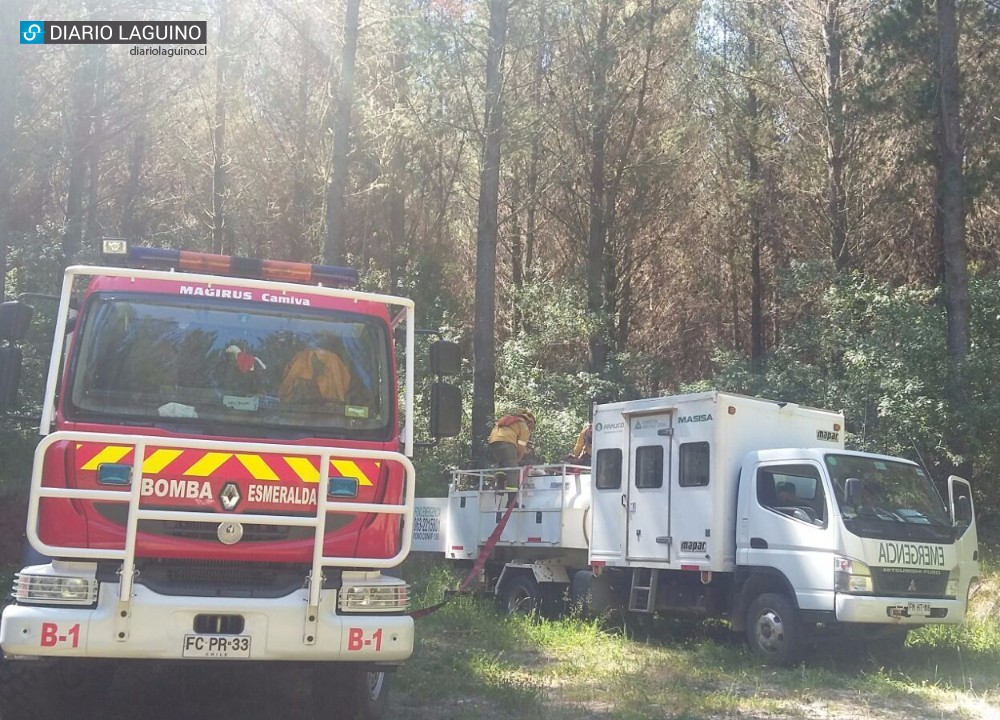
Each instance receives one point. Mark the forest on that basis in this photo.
(600, 199)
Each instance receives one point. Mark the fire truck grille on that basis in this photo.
(904, 582)
(209, 531)
(216, 578)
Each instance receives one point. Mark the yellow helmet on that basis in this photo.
(528, 416)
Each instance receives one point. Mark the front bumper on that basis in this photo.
(868, 609)
(158, 625)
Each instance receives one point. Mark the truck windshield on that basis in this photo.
(299, 370)
(878, 497)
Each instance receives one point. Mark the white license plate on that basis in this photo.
(918, 609)
(216, 646)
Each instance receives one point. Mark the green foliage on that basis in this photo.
(544, 367)
(877, 353)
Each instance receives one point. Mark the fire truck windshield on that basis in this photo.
(162, 360)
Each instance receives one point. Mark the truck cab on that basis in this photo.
(854, 538)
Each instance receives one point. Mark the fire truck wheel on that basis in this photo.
(349, 692)
(773, 630)
(26, 691)
(521, 596)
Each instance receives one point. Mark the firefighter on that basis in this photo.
(509, 443)
(315, 375)
(583, 447)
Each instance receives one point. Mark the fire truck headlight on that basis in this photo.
(852, 576)
(54, 590)
(374, 598)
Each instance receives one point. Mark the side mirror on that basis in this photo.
(10, 376)
(446, 358)
(852, 488)
(15, 318)
(446, 410)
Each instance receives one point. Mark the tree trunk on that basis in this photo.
(597, 236)
(531, 180)
(484, 334)
(833, 45)
(951, 194)
(336, 194)
(137, 152)
(95, 146)
(219, 190)
(81, 107)
(755, 211)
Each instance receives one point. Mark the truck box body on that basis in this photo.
(672, 505)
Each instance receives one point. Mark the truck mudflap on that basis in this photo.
(900, 610)
(162, 627)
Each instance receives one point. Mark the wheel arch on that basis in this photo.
(751, 583)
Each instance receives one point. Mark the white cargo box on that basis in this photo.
(666, 472)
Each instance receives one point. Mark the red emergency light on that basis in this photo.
(233, 266)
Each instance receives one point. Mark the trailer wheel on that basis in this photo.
(343, 690)
(773, 630)
(521, 595)
(26, 691)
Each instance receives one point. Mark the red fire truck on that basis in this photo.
(223, 475)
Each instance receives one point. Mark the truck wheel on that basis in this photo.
(346, 691)
(25, 691)
(521, 596)
(773, 630)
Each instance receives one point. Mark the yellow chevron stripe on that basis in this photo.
(350, 469)
(208, 464)
(110, 454)
(304, 469)
(159, 460)
(257, 467)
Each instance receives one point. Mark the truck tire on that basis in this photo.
(773, 630)
(521, 595)
(347, 691)
(26, 691)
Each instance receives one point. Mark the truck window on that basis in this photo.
(792, 490)
(156, 359)
(693, 464)
(609, 469)
(649, 466)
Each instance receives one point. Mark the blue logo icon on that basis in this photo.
(32, 32)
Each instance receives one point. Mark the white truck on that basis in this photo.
(721, 505)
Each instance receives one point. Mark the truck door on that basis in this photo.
(788, 528)
(648, 501)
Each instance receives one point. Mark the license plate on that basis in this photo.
(918, 609)
(216, 646)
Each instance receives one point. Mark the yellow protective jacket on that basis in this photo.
(583, 442)
(315, 372)
(517, 433)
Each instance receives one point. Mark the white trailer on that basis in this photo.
(720, 505)
(544, 542)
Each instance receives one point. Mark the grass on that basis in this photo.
(470, 662)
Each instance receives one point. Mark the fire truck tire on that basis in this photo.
(774, 632)
(26, 691)
(347, 692)
(521, 595)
